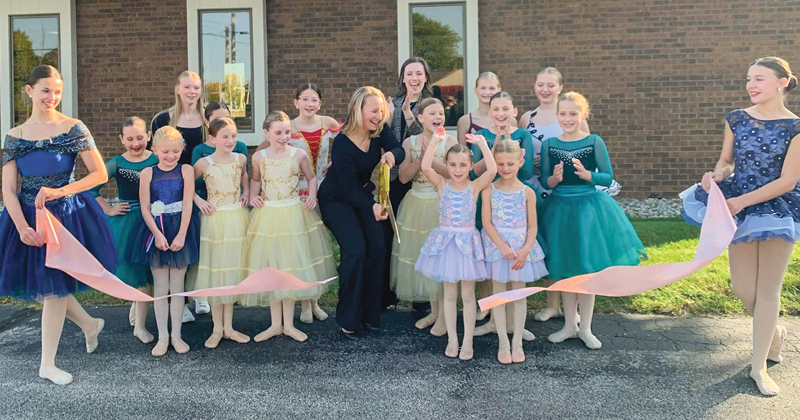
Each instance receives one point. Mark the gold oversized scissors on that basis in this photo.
(383, 196)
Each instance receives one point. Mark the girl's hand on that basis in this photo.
(310, 203)
(161, 242)
(519, 261)
(537, 159)
(45, 194)
(474, 138)
(243, 200)
(508, 253)
(30, 237)
(388, 157)
(580, 171)
(178, 242)
(736, 205)
(708, 177)
(257, 201)
(377, 210)
(118, 210)
(558, 172)
(390, 105)
(407, 105)
(204, 206)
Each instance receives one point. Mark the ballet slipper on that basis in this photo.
(320, 314)
(236, 336)
(143, 335)
(590, 340)
(562, 335)
(295, 334)
(504, 355)
(765, 384)
(527, 335)
(452, 349)
(517, 354)
(161, 347)
(547, 313)
(213, 340)
(426, 322)
(466, 353)
(438, 329)
(306, 317)
(268, 333)
(179, 345)
(487, 328)
(55, 375)
(91, 338)
(132, 314)
(481, 315)
(777, 344)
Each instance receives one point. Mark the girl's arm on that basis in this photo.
(725, 165)
(604, 175)
(525, 119)
(305, 166)
(27, 234)
(488, 227)
(549, 175)
(121, 207)
(198, 170)
(409, 167)
(97, 175)
(144, 200)
(487, 177)
(186, 213)
(478, 165)
(244, 198)
(329, 123)
(461, 129)
(528, 169)
(255, 183)
(522, 255)
(439, 165)
(437, 180)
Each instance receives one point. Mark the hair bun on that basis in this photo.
(792, 83)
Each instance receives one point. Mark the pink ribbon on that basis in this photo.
(716, 234)
(65, 253)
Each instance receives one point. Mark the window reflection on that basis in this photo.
(438, 37)
(35, 42)
(226, 63)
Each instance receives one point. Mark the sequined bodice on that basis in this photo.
(223, 182)
(127, 175)
(280, 178)
(166, 187)
(457, 208)
(559, 152)
(46, 163)
(509, 210)
(420, 181)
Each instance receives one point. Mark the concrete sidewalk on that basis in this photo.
(649, 367)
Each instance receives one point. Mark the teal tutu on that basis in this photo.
(585, 234)
(124, 228)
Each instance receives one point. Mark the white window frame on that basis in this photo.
(65, 10)
(259, 90)
(471, 53)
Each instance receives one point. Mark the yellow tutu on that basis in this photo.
(418, 215)
(222, 238)
(291, 239)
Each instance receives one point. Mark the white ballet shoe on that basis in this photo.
(55, 375)
(777, 344)
(590, 340)
(91, 339)
(547, 313)
(563, 335)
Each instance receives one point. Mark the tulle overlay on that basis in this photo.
(499, 268)
(222, 260)
(586, 234)
(154, 257)
(23, 274)
(417, 218)
(449, 262)
(124, 228)
(291, 239)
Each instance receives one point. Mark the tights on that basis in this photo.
(53, 314)
(451, 317)
(166, 281)
(504, 354)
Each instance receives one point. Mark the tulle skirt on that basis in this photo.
(585, 234)
(416, 219)
(222, 257)
(124, 228)
(23, 274)
(449, 256)
(170, 225)
(291, 239)
(499, 268)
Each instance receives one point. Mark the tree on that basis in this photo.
(436, 43)
(25, 59)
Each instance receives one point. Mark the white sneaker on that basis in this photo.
(187, 315)
(201, 306)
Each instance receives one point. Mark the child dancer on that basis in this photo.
(416, 217)
(126, 217)
(168, 242)
(314, 134)
(486, 86)
(453, 252)
(223, 229)
(513, 257)
(757, 172)
(584, 228)
(284, 232)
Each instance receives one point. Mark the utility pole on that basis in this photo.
(233, 37)
(227, 44)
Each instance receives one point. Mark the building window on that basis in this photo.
(34, 42)
(445, 34)
(227, 47)
(227, 62)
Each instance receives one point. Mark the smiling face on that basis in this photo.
(134, 138)
(308, 103)
(502, 112)
(432, 117)
(189, 90)
(458, 166)
(225, 139)
(168, 151)
(485, 89)
(547, 88)
(763, 83)
(278, 134)
(570, 116)
(414, 78)
(46, 93)
(372, 112)
(508, 164)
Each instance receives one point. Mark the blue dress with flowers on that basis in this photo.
(759, 150)
(50, 163)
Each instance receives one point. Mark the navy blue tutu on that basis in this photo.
(154, 257)
(23, 274)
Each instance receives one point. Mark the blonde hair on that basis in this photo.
(487, 75)
(353, 121)
(219, 124)
(577, 99)
(553, 72)
(508, 146)
(428, 102)
(273, 117)
(176, 110)
(458, 149)
(168, 133)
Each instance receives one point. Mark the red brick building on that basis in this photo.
(660, 74)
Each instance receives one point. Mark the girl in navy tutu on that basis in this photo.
(584, 229)
(41, 153)
(453, 252)
(757, 172)
(168, 242)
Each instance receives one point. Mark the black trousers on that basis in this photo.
(363, 250)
